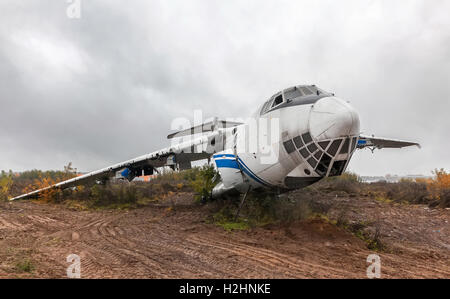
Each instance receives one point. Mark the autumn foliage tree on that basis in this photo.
(36, 179)
(439, 187)
(5, 185)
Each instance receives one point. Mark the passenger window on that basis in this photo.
(278, 100)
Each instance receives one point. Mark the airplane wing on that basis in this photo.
(373, 142)
(180, 154)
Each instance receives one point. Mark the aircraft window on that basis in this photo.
(306, 138)
(322, 91)
(278, 100)
(323, 164)
(344, 148)
(312, 148)
(298, 142)
(334, 147)
(289, 146)
(304, 153)
(312, 162)
(317, 155)
(264, 107)
(292, 93)
(353, 143)
(324, 144)
(321, 169)
(313, 89)
(306, 91)
(337, 168)
(325, 161)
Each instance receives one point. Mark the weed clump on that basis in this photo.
(25, 265)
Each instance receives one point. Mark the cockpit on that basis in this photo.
(296, 95)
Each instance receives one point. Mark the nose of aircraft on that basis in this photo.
(332, 118)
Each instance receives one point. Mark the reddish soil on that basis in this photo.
(163, 242)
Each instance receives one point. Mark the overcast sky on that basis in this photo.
(105, 87)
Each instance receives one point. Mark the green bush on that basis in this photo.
(204, 182)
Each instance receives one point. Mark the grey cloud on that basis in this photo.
(106, 87)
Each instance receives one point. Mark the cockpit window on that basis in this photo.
(264, 107)
(306, 91)
(278, 100)
(273, 102)
(292, 93)
(314, 89)
(296, 95)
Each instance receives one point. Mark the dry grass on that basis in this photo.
(433, 192)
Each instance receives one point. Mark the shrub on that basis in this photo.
(262, 209)
(439, 188)
(5, 185)
(347, 182)
(204, 182)
(408, 191)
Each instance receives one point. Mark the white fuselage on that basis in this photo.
(288, 147)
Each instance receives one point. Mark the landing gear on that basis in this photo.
(242, 203)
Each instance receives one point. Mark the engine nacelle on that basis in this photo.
(127, 174)
(131, 173)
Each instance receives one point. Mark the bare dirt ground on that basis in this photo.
(163, 242)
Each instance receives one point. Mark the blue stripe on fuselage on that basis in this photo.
(223, 156)
(361, 142)
(251, 174)
(229, 163)
(226, 163)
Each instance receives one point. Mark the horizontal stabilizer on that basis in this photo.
(380, 142)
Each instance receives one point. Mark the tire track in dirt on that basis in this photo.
(153, 239)
(393, 265)
(167, 234)
(149, 253)
(156, 242)
(99, 239)
(190, 259)
(11, 224)
(272, 260)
